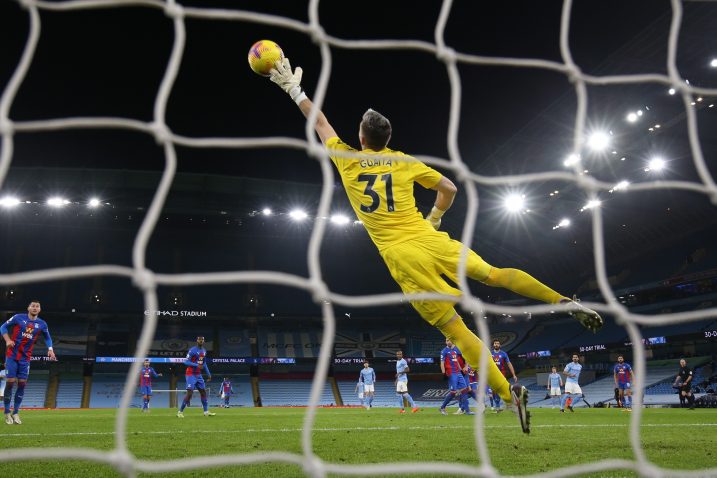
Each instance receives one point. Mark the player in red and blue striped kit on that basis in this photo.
(145, 383)
(196, 361)
(453, 365)
(226, 391)
(624, 376)
(20, 334)
(503, 362)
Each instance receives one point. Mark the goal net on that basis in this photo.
(148, 281)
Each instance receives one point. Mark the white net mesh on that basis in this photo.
(147, 281)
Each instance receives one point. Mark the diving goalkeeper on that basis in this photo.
(380, 189)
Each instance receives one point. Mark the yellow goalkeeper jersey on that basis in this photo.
(380, 189)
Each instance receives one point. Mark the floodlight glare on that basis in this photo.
(598, 141)
(94, 202)
(631, 117)
(564, 222)
(671, 91)
(514, 202)
(713, 63)
(656, 164)
(621, 185)
(57, 201)
(572, 159)
(9, 201)
(339, 219)
(298, 215)
(266, 211)
(591, 204)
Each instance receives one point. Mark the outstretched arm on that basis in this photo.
(323, 127)
(290, 82)
(445, 193)
(512, 371)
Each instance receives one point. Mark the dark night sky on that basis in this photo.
(110, 62)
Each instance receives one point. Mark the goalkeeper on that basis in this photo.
(380, 189)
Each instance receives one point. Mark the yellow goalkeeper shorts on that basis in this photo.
(420, 264)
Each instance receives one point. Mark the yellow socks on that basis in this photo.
(521, 283)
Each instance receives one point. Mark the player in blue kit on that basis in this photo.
(145, 383)
(473, 388)
(624, 376)
(452, 366)
(20, 333)
(555, 383)
(359, 390)
(196, 361)
(572, 389)
(402, 383)
(367, 376)
(226, 391)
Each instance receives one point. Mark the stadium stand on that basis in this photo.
(234, 342)
(385, 393)
(280, 343)
(35, 391)
(611, 332)
(550, 334)
(382, 341)
(243, 396)
(69, 393)
(603, 389)
(107, 392)
(291, 393)
(69, 339)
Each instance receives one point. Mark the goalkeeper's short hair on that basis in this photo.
(376, 129)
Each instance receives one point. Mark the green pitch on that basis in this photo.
(670, 437)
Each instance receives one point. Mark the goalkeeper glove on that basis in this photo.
(434, 217)
(287, 80)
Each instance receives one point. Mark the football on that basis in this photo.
(263, 55)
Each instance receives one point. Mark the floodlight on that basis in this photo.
(621, 185)
(57, 201)
(298, 215)
(266, 211)
(655, 164)
(598, 141)
(9, 201)
(591, 204)
(671, 91)
(514, 202)
(631, 117)
(713, 63)
(339, 219)
(94, 202)
(572, 159)
(564, 222)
